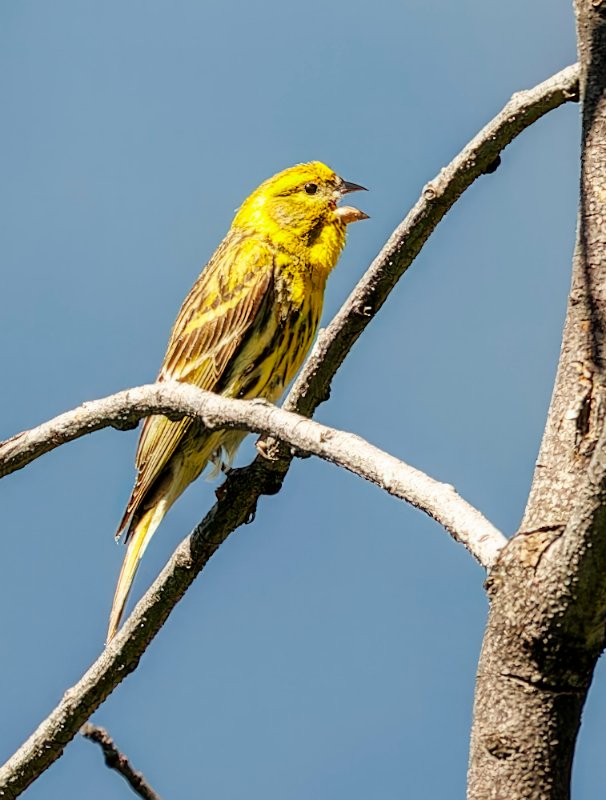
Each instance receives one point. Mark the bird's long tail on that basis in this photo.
(138, 540)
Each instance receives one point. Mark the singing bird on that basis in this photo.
(242, 331)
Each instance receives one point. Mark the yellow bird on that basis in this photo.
(243, 331)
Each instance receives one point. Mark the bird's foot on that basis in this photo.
(267, 448)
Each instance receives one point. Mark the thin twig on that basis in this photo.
(242, 489)
(117, 761)
(465, 523)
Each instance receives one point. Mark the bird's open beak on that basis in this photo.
(349, 214)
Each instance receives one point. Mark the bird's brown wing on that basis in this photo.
(212, 323)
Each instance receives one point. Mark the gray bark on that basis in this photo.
(547, 591)
(304, 436)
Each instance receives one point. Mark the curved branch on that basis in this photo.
(465, 523)
(479, 157)
(242, 489)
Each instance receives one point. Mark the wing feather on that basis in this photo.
(212, 323)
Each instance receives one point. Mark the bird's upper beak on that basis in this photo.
(348, 186)
(349, 214)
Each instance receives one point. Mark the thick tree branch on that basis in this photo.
(117, 761)
(546, 626)
(243, 488)
(176, 400)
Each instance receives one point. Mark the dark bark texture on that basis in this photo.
(546, 626)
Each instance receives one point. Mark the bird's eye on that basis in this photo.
(311, 188)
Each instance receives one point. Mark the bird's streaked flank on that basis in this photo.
(243, 331)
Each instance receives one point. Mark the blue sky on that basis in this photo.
(329, 649)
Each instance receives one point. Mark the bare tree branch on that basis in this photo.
(403, 246)
(242, 489)
(117, 761)
(465, 523)
(547, 592)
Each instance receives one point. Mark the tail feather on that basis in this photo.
(138, 538)
(145, 512)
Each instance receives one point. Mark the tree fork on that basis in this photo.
(547, 592)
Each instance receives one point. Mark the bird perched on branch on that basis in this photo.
(243, 331)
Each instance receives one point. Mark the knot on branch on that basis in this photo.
(501, 746)
(125, 423)
(492, 166)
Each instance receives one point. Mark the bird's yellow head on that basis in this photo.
(302, 201)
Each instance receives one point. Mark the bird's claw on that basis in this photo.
(267, 448)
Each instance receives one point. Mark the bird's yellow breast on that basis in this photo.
(282, 336)
(307, 263)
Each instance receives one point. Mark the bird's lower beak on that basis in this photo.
(349, 214)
